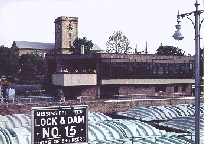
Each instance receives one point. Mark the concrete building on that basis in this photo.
(107, 75)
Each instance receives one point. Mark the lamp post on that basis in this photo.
(178, 36)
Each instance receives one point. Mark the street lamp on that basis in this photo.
(177, 36)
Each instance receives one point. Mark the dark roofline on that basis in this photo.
(33, 45)
(115, 56)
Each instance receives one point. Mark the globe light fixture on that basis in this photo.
(177, 35)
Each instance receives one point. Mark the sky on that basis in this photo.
(141, 21)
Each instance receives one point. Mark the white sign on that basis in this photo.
(60, 125)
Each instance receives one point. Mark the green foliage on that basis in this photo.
(8, 61)
(118, 43)
(31, 66)
(78, 42)
(170, 51)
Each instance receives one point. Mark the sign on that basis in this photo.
(60, 124)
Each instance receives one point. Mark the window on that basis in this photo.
(108, 91)
(120, 70)
(191, 66)
(146, 70)
(69, 43)
(70, 35)
(141, 86)
(106, 70)
(184, 88)
(160, 88)
(176, 88)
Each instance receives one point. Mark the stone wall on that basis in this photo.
(150, 90)
(73, 92)
(136, 89)
(86, 91)
(98, 105)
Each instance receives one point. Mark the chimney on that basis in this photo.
(146, 48)
(82, 49)
(136, 49)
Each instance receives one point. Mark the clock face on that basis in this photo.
(70, 27)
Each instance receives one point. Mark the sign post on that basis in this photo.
(60, 124)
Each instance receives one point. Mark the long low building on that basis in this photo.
(124, 75)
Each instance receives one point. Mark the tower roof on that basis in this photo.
(65, 18)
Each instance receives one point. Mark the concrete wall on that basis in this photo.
(74, 79)
(58, 79)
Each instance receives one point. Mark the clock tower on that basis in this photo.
(66, 31)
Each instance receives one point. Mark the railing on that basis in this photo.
(138, 96)
(148, 76)
(29, 99)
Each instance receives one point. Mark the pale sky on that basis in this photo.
(140, 20)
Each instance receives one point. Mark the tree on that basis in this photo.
(8, 61)
(118, 43)
(78, 42)
(31, 66)
(170, 51)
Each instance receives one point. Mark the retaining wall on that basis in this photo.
(107, 106)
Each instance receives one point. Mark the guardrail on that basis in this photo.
(29, 99)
